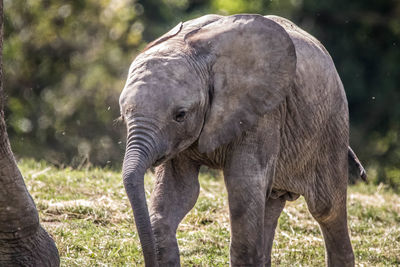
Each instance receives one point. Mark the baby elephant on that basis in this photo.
(256, 97)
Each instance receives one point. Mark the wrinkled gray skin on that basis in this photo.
(256, 97)
(23, 241)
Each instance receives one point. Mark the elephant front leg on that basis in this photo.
(247, 219)
(248, 184)
(174, 195)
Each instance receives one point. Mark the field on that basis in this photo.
(88, 215)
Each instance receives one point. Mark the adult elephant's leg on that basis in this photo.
(249, 174)
(175, 193)
(327, 204)
(273, 209)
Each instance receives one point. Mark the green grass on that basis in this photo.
(88, 215)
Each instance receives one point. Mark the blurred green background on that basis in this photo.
(65, 63)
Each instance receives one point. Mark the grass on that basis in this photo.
(88, 215)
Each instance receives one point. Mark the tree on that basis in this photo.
(66, 63)
(22, 239)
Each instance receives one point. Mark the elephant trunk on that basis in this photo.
(141, 152)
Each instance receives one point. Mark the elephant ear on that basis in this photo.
(173, 32)
(253, 63)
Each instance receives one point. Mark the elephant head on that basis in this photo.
(200, 85)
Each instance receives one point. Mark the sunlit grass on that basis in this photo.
(88, 214)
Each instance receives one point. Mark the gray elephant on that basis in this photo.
(256, 97)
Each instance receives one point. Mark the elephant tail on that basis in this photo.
(355, 163)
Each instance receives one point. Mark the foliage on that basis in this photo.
(66, 62)
(65, 65)
(93, 225)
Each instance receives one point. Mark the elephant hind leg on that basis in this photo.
(273, 209)
(331, 214)
(337, 241)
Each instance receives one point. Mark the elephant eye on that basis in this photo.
(180, 115)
